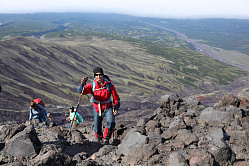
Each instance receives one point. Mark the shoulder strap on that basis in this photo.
(94, 85)
(94, 89)
(108, 86)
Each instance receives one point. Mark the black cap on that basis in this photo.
(72, 108)
(98, 70)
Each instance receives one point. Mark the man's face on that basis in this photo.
(99, 77)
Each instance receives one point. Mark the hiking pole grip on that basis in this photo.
(84, 84)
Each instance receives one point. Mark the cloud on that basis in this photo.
(148, 8)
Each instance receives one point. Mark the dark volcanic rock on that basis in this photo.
(228, 100)
(50, 156)
(178, 133)
(9, 129)
(244, 102)
(24, 143)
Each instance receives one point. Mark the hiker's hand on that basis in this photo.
(49, 117)
(115, 112)
(83, 80)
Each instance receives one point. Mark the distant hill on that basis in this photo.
(229, 34)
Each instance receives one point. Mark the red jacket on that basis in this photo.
(102, 95)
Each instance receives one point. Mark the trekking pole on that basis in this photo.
(113, 129)
(113, 134)
(81, 93)
(78, 103)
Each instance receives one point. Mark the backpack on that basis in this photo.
(39, 101)
(79, 118)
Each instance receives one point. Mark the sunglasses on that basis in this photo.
(98, 74)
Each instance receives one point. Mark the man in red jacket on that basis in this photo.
(101, 88)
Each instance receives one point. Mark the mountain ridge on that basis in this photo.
(51, 69)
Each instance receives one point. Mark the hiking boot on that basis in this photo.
(96, 140)
(106, 141)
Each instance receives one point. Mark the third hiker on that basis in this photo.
(74, 117)
(101, 88)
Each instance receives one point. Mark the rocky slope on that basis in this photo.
(51, 70)
(180, 132)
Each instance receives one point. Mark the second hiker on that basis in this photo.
(37, 111)
(101, 88)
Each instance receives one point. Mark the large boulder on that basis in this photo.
(155, 139)
(142, 152)
(239, 141)
(177, 159)
(137, 147)
(170, 103)
(234, 111)
(211, 115)
(142, 122)
(77, 136)
(48, 136)
(169, 134)
(178, 123)
(218, 147)
(218, 133)
(25, 143)
(151, 126)
(186, 136)
(192, 101)
(166, 121)
(167, 101)
(200, 157)
(227, 100)
(245, 122)
(9, 129)
(131, 141)
(60, 130)
(50, 156)
(244, 102)
(105, 150)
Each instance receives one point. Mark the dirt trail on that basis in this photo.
(232, 58)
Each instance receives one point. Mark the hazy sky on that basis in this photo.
(148, 8)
